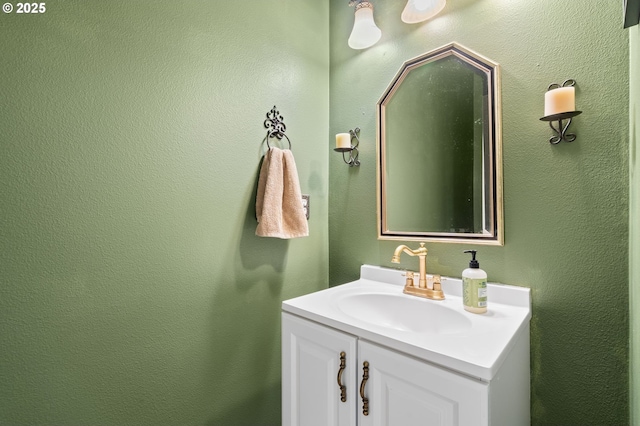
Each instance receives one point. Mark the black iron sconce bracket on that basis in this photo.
(561, 131)
(353, 150)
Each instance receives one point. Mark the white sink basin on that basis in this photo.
(404, 313)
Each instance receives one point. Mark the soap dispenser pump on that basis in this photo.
(474, 286)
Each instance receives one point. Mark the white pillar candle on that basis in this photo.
(562, 99)
(343, 140)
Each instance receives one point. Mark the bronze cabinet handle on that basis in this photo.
(343, 388)
(365, 377)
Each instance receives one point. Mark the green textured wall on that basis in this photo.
(566, 206)
(133, 289)
(634, 218)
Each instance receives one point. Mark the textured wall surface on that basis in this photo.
(566, 206)
(133, 289)
(634, 218)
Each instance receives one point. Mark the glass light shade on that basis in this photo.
(421, 10)
(365, 33)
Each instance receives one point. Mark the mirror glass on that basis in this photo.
(439, 150)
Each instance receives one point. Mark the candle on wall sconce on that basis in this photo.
(559, 105)
(559, 100)
(343, 140)
(343, 145)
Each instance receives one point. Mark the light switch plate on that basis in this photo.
(305, 205)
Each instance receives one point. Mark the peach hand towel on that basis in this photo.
(279, 201)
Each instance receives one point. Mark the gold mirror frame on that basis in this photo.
(492, 236)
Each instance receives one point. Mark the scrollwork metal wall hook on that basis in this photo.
(275, 126)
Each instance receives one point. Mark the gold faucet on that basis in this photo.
(431, 290)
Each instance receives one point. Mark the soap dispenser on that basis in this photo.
(474, 286)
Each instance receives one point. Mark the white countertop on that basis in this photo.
(476, 350)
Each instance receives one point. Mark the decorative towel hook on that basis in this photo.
(344, 144)
(275, 126)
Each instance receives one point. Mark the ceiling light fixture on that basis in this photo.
(365, 33)
(420, 10)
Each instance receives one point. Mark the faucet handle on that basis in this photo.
(409, 275)
(436, 283)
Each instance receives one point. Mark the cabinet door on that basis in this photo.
(404, 391)
(311, 363)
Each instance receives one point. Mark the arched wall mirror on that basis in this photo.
(439, 150)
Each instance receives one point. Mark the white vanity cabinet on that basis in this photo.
(399, 389)
(365, 354)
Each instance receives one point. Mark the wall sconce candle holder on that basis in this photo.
(559, 105)
(351, 149)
